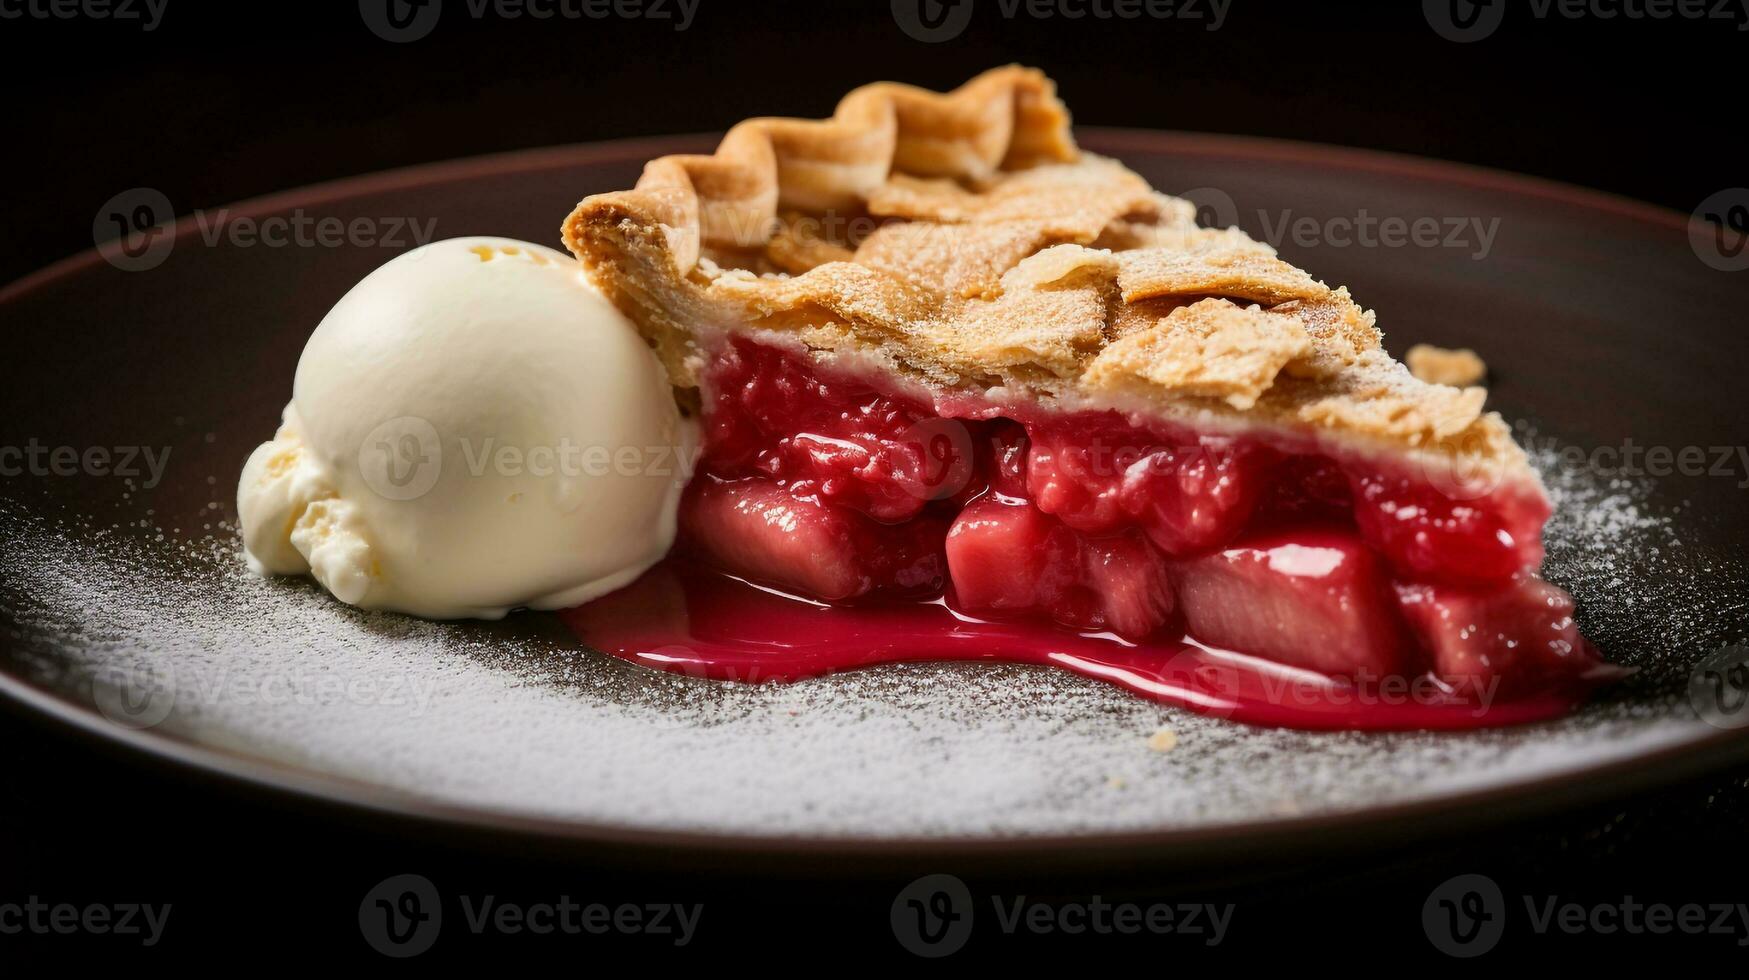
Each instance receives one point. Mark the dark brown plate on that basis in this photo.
(1599, 317)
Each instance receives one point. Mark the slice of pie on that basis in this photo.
(938, 349)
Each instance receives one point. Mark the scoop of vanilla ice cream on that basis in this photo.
(473, 428)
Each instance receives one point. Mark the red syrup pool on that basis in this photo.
(686, 618)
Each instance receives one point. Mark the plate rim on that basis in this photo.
(1366, 826)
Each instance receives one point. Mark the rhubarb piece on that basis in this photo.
(1315, 598)
(761, 530)
(1009, 557)
(1520, 634)
(1132, 583)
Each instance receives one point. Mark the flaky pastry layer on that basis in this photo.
(963, 242)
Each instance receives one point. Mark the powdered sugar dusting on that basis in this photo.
(517, 717)
(1655, 589)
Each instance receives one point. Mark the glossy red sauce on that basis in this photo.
(689, 619)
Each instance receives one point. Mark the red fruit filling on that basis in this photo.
(1429, 534)
(759, 529)
(818, 482)
(1313, 597)
(1104, 475)
(1007, 556)
(841, 443)
(1512, 635)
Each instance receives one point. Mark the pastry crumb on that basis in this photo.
(1163, 740)
(1444, 366)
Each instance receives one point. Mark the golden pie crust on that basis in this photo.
(962, 243)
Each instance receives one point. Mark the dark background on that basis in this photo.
(226, 101)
